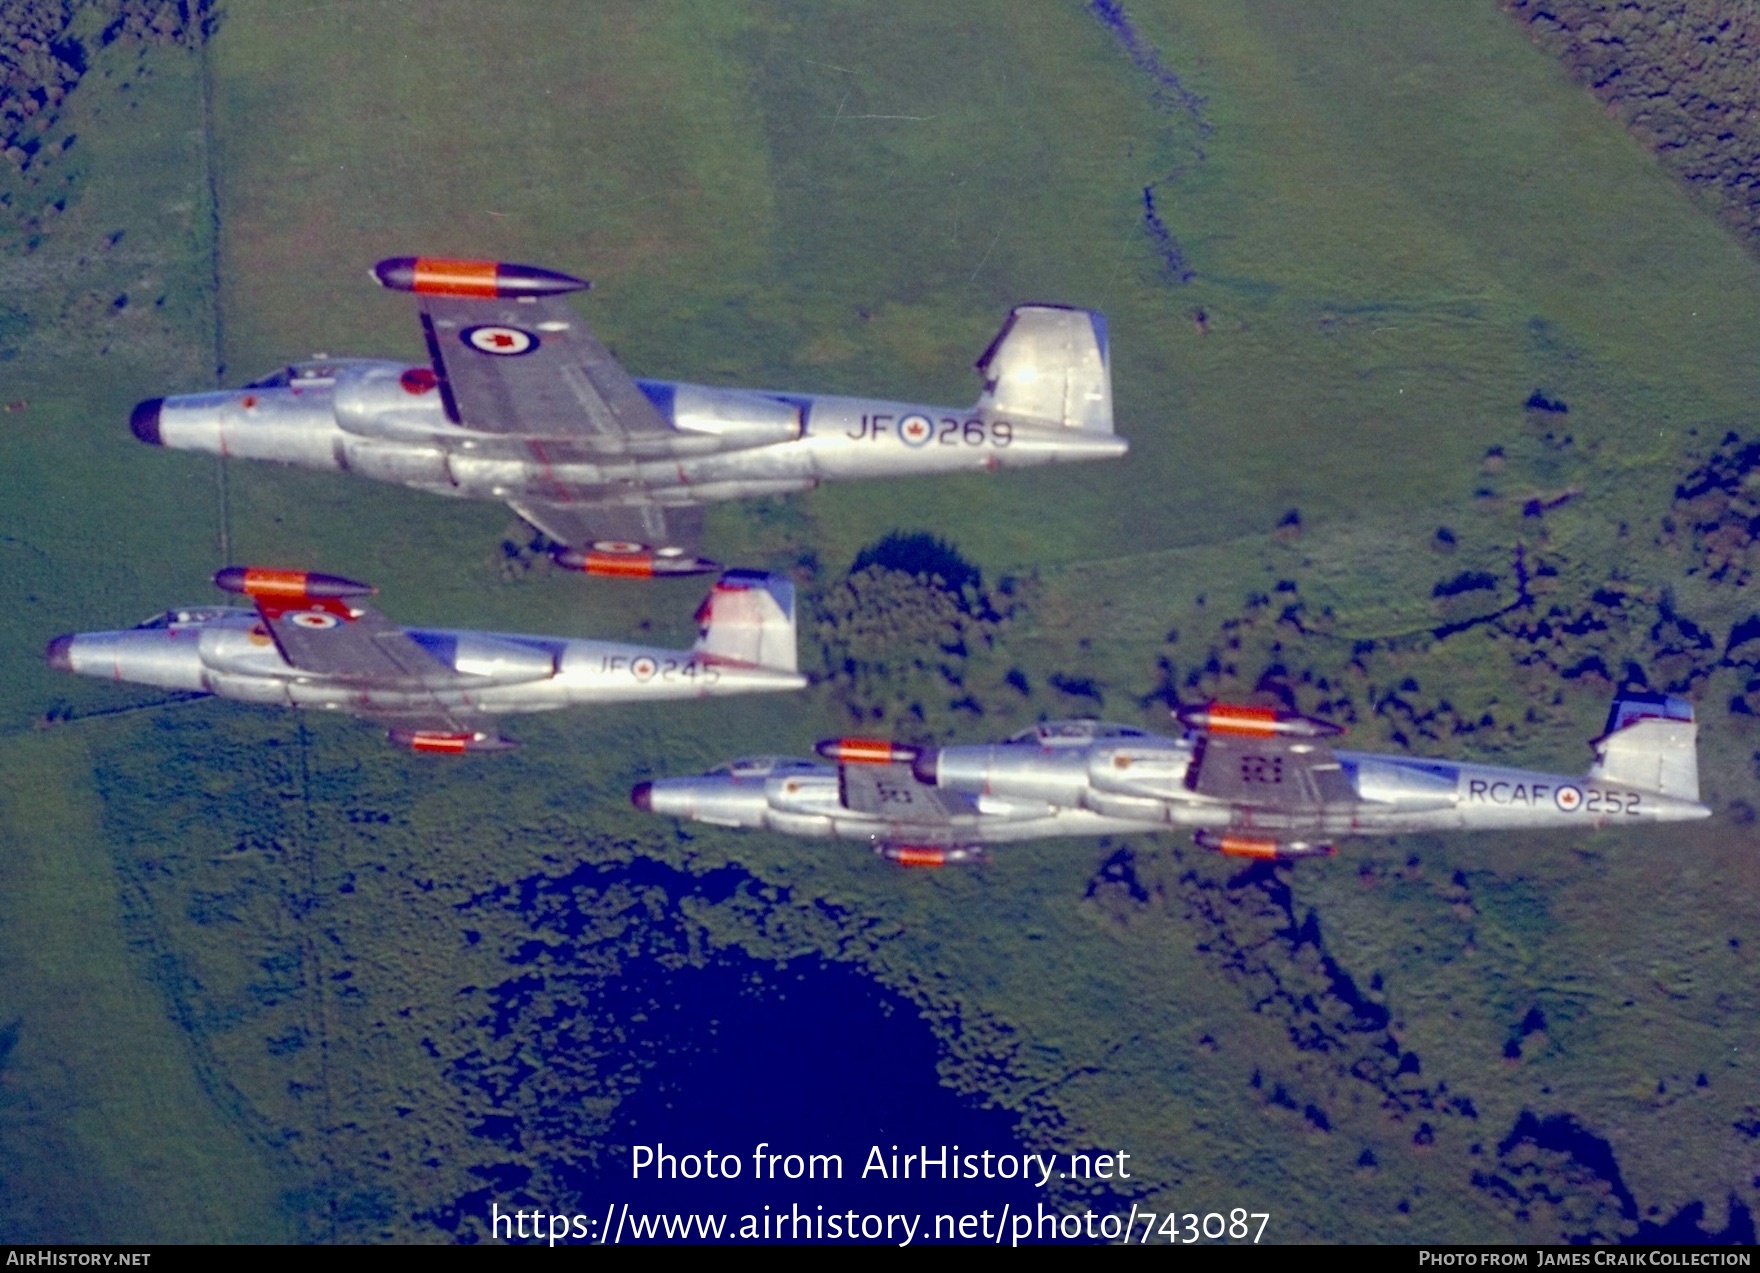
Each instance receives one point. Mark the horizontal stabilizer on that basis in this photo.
(1651, 743)
(1049, 364)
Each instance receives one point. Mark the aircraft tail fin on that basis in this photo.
(1651, 743)
(748, 617)
(1050, 364)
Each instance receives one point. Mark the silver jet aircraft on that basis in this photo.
(311, 642)
(1249, 782)
(519, 402)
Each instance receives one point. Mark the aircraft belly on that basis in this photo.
(249, 689)
(1063, 822)
(789, 823)
(424, 467)
(775, 462)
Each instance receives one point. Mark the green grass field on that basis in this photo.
(1402, 221)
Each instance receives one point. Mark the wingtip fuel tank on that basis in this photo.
(483, 280)
(448, 743)
(867, 751)
(1260, 847)
(256, 581)
(932, 855)
(1254, 722)
(631, 562)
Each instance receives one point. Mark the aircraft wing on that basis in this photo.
(319, 628)
(1276, 772)
(514, 358)
(890, 791)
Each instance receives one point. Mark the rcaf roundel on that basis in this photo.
(505, 342)
(915, 430)
(644, 667)
(316, 620)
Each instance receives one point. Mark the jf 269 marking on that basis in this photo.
(520, 402)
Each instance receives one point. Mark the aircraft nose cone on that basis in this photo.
(144, 422)
(642, 796)
(60, 653)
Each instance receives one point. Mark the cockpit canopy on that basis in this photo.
(761, 766)
(1075, 733)
(188, 615)
(313, 372)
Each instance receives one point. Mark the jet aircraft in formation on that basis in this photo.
(309, 640)
(1249, 782)
(520, 402)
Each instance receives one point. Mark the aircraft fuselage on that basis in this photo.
(226, 651)
(1273, 797)
(387, 421)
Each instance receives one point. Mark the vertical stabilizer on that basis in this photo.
(748, 617)
(1651, 743)
(1049, 364)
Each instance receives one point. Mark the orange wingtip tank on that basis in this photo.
(443, 744)
(867, 751)
(483, 280)
(1234, 845)
(931, 855)
(301, 585)
(1254, 722)
(632, 565)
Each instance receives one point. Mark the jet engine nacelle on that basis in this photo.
(498, 660)
(389, 401)
(1408, 786)
(1156, 772)
(736, 420)
(795, 793)
(242, 650)
(1006, 770)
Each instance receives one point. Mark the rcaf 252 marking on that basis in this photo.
(917, 430)
(1567, 798)
(647, 668)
